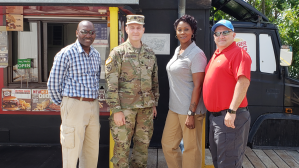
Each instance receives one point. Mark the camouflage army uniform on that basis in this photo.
(132, 80)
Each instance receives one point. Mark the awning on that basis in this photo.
(70, 2)
(239, 9)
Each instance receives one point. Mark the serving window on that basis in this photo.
(24, 45)
(40, 41)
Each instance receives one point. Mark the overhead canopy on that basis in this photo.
(239, 9)
(78, 2)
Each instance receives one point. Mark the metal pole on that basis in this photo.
(181, 10)
(113, 43)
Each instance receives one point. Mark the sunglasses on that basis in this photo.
(224, 33)
(84, 32)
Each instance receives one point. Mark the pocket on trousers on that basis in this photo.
(230, 144)
(67, 136)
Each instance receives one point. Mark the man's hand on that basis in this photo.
(229, 120)
(119, 118)
(154, 112)
(190, 122)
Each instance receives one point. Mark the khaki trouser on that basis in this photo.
(140, 123)
(174, 130)
(79, 133)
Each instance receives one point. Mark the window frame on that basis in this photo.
(273, 49)
(42, 41)
(9, 70)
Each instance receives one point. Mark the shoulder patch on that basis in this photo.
(108, 60)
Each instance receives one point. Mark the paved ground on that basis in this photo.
(18, 156)
(256, 158)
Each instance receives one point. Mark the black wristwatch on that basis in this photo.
(190, 113)
(231, 111)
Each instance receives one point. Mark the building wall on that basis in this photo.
(160, 16)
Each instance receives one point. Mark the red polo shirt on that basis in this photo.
(222, 73)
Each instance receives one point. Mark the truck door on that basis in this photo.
(265, 94)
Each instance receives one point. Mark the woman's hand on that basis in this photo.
(154, 112)
(190, 122)
(119, 118)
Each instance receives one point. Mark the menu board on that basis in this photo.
(104, 107)
(3, 48)
(101, 39)
(16, 99)
(14, 22)
(41, 101)
(38, 100)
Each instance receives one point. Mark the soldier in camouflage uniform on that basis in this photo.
(132, 94)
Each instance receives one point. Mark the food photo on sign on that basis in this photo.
(41, 101)
(16, 99)
(14, 22)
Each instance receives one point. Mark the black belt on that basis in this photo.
(216, 114)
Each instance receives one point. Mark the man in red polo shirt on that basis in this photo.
(224, 92)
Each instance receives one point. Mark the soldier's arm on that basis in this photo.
(155, 82)
(112, 72)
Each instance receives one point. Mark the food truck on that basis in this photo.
(33, 31)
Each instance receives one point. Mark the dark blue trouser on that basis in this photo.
(227, 145)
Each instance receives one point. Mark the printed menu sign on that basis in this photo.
(3, 60)
(14, 22)
(3, 48)
(104, 107)
(41, 101)
(16, 99)
(101, 39)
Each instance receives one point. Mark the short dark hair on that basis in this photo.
(191, 21)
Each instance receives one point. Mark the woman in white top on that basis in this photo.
(186, 71)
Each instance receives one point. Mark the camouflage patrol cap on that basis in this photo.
(139, 19)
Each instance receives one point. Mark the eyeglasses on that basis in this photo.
(84, 32)
(224, 33)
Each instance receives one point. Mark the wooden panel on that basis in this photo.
(246, 163)
(294, 154)
(253, 158)
(288, 159)
(264, 158)
(276, 159)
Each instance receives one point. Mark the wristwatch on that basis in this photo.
(190, 113)
(231, 111)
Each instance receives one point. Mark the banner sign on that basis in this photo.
(41, 101)
(16, 99)
(38, 100)
(14, 9)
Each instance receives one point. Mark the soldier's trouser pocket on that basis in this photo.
(67, 136)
